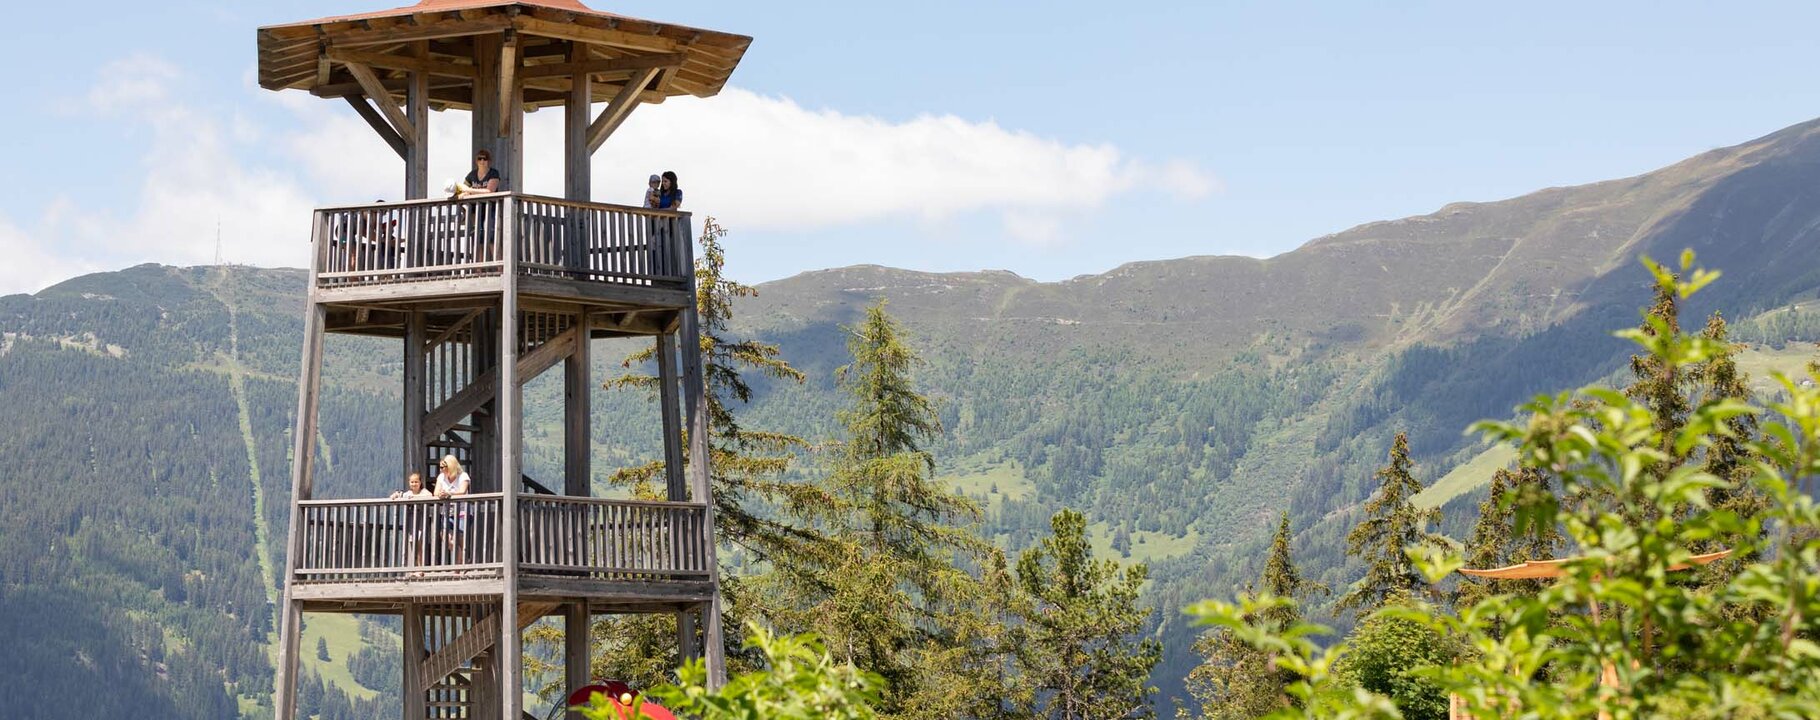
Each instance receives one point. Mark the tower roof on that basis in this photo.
(311, 55)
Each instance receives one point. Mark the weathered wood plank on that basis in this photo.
(379, 125)
(389, 61)
(596, 35)
(381, 97)
(618, 109)
(578, 388)
(585, 67)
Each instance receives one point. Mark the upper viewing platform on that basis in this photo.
(610, 255)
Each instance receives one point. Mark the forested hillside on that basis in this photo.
(1180, 404)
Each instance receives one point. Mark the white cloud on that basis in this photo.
(25, 266)
(754, 161)
(768, 163)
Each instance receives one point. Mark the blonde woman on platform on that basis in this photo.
(453, 483)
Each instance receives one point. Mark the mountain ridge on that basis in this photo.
(1183, 402)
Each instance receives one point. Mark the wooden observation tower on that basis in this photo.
(485, 293)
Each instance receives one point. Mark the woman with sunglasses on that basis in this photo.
(484, 178)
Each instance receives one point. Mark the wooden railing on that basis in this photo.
(613, 539)
(444, 239)
(344, 540)
(354, 540)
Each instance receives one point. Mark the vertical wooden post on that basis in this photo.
(577, 650)
(511, 123)
(578, 386)
(511, 695)
(700, 477)
(577, 181)
(675, 484)
(417, 110)
(414, 338)
(290, 633)
(413, 662)
(486, 112)
(668, 390)
(303, 456)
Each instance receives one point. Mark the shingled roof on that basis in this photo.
(307, 55)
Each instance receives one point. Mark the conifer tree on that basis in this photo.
(755, 508)
(1498, 539)
(1392, 525)
(1076, 647)
(1658, 385)
(772, 520)
(1729, 458)
(890, 603)
(1236, 681)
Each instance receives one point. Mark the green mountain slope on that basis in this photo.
(1182, 403)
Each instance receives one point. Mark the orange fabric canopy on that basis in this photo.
(1541, 569)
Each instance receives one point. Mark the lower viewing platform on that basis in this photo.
(417, 249)
(370, 555)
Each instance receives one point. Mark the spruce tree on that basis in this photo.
(773, 521)
(1729, 457)
(1499, 539)
(1236, 681)
(1658, 385)
(1392, 525)
(898, 602)
(1077, 645)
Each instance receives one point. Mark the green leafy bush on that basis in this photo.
(1626, 632)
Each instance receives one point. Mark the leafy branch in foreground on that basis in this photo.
(800, 681)
(1623, 632)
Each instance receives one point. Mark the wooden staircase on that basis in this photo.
(460, 367)
(480, 635)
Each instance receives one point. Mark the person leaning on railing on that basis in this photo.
(484, 178)
(414, 490)
(453, 483)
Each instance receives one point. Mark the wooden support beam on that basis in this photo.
(669, 398)
(414, 387)
(511, 416)
(577, 170)
(411, 63)
(593, 67)
(618, 109)
(577, 409)
(534, 363)
(578, 652)
(598, 36)
(444, 336)
(414, 696)
(508, 83)
(430, 26)
(381, 97)
(417, 110)
(290, 634)
(379, 125)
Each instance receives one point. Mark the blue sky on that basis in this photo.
(1049, 139)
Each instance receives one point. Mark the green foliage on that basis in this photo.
(1236, 681)
(897, 600)
(800, 681)
(1075, 647)
(1622, 634)
(1394, 656)
(1393, 525)
(1500, 538)
(759, 509)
